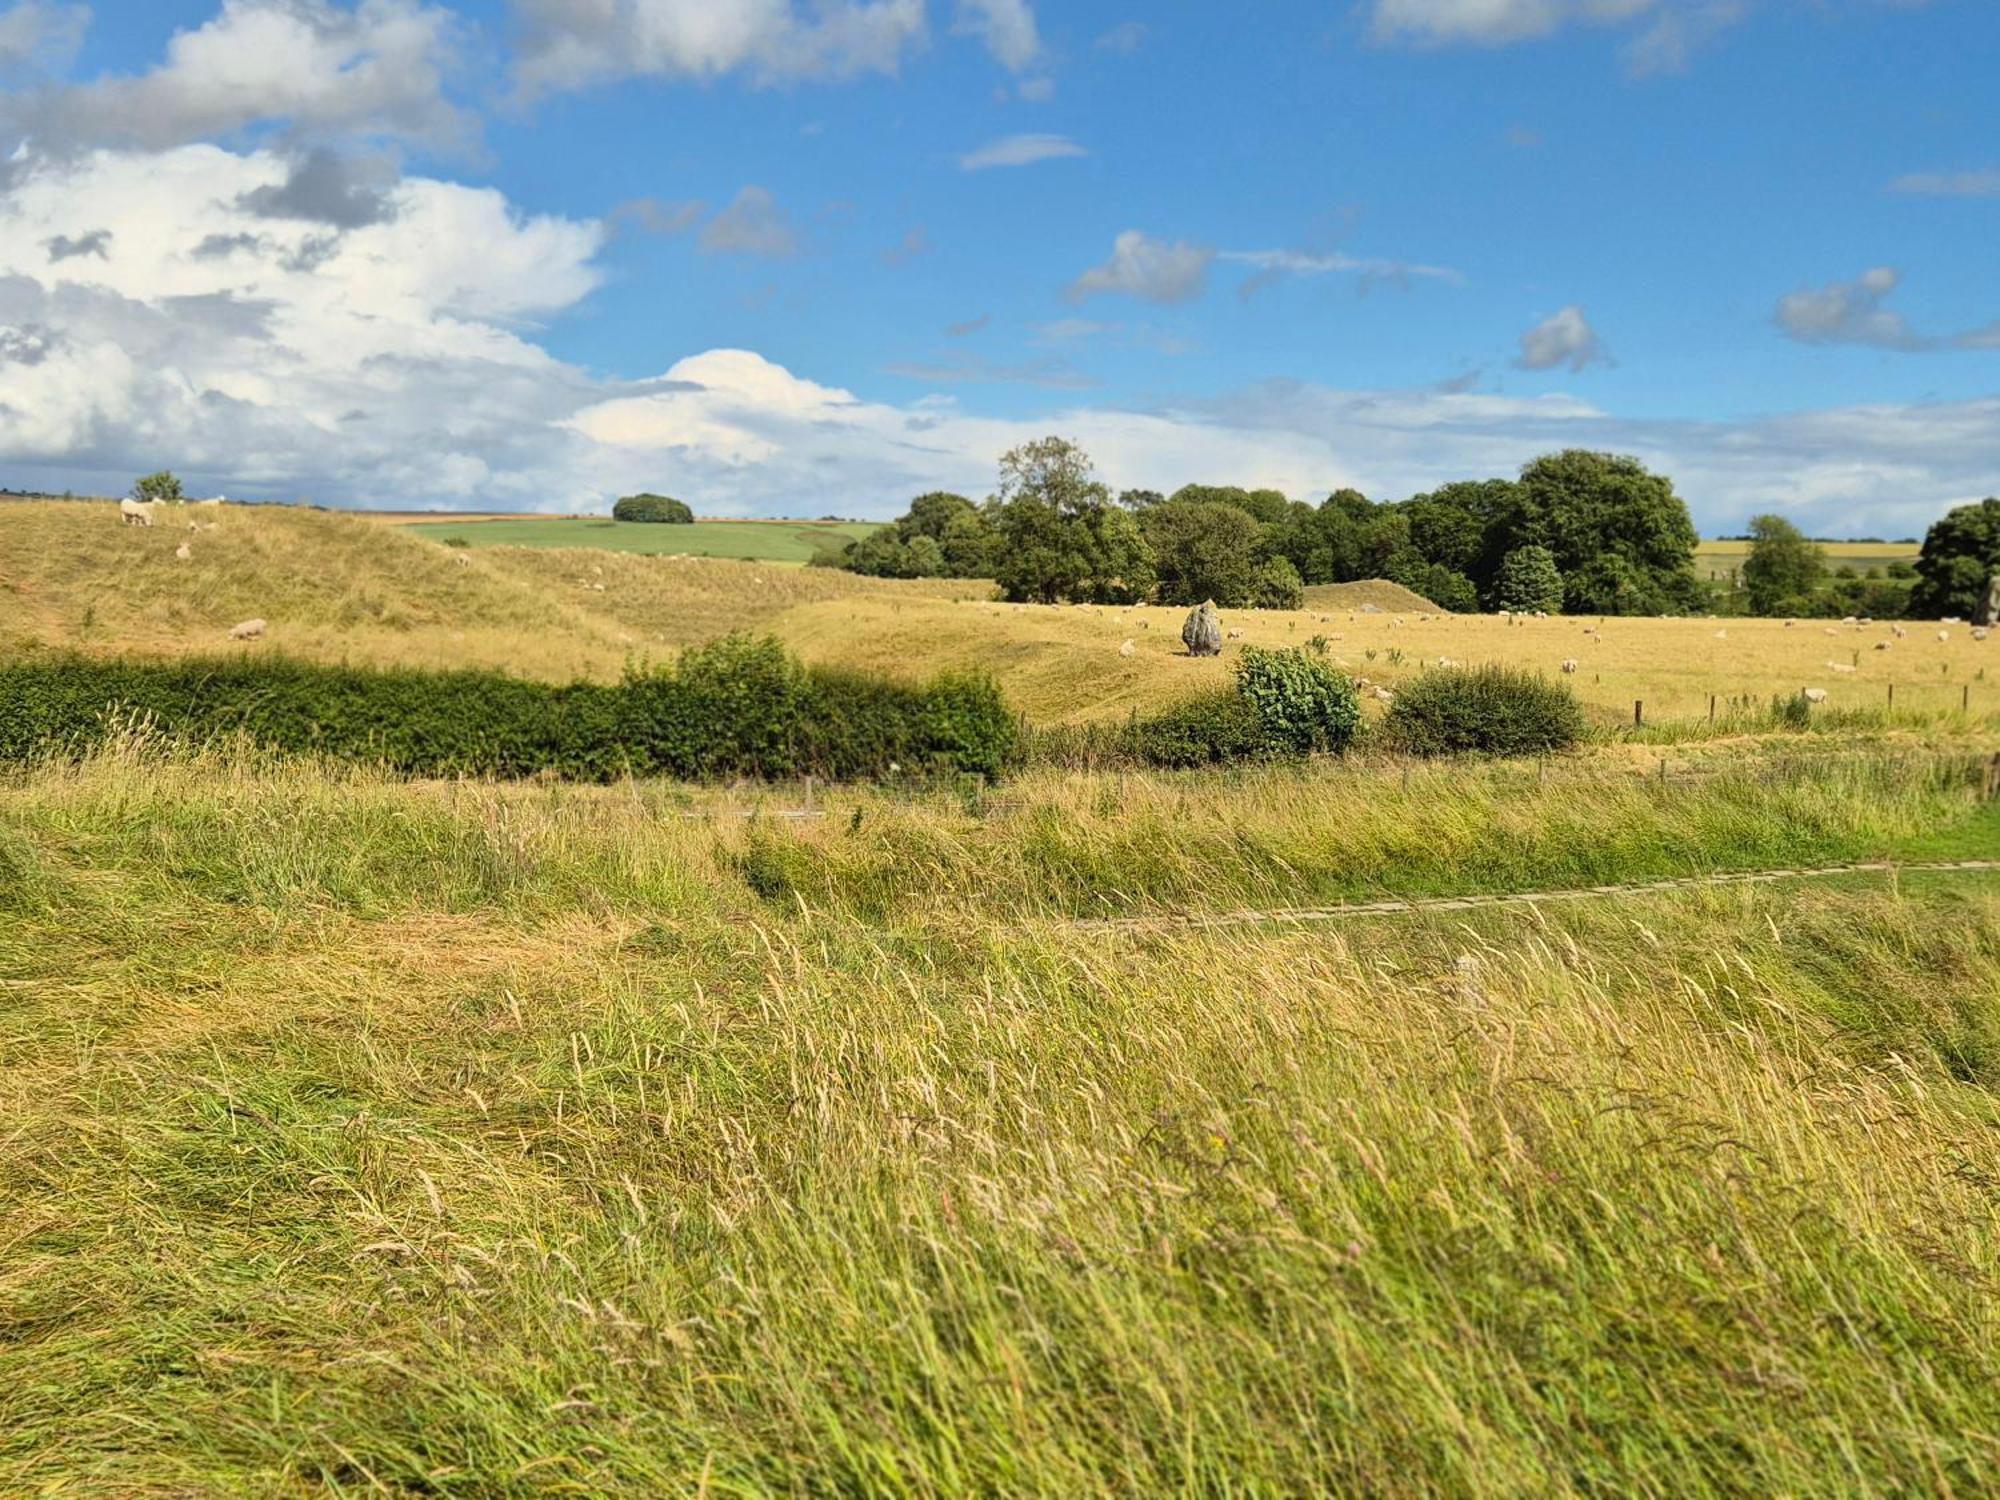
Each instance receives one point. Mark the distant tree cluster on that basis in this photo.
(1577, 531)
(660, 509)
(1787, 573)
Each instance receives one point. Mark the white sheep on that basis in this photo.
(1127, 649)
(184, 552)
(247, 630)
(136, 512)
(1815, 695)
(1569, 666)
(1838, 666)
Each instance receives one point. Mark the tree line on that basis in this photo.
(1788, 574)
(1577, 531)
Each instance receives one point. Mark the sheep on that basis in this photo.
(1944, 635)
(1829, 630)
(184, 552)
(1881, 645)
(1236, 635)
(1898, 632)
(1446, 661)
(136, 512)
(1569, 666)
(462, 560)
(1385, 695)
(1979, 635)
(1127, 648)
(1815, 695)
(247, 630)
(1838, 666)
(1722, 635)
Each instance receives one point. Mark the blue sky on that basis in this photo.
(809, 257)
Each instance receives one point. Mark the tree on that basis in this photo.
(1267, 506)
(1621, 537)
(1783, 569)
(160, 486)
(658, 509)
(1204, 550)
(1529, 582)
(1445, 587)
(1060, 535)
(1277, 585)
(1961, 554)
(1140, 499)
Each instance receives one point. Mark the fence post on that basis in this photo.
(1892, 695)
(1638, 713)
(1965, 698)
(1711, 708)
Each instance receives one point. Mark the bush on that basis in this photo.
(736, 707)
(161, 486)
(1277, 585)
(660, 509)
(1216, 728)
(1303, 701)
(1494, 710)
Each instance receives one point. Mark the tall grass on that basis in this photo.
(378, 1138)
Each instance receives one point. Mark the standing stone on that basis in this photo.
(1202, 634)
(1989, 608)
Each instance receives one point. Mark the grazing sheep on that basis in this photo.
(1722, 635)
(135, 512)
(1881, 645)
(1838, 666)
(1235, 635)
(462, 560)
(184, 552)
(1944, 635)
(247, 630)
(1898, 632)
(1829, 630)
(1127, 649)
(1979, 635)
(1385, 695)
(1815, 695)
(1569, 666)
(1446, 661)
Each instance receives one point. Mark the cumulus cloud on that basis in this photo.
(1007, 27)
(69, 247)
(1154, 270)
(1671, 32)
(1562, 338)
(572, 43)
(41, 34)
(1853, 312)
(1019, 151)
(1974, 184)
(377, 70)
(323, 187)
(752, 224)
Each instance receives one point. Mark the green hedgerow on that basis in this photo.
(1493, 710)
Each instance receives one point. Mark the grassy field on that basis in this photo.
(1718, 559)
(376, 1138)
(338, 588)
(757, 541)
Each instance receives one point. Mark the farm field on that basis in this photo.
(758, 541)
(336, 588)
(1717, 559)
(368, 1137)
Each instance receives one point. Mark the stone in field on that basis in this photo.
(1988, 612)
(1202, 634)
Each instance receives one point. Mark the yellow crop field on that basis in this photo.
(337, 588)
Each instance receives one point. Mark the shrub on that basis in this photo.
(1215, 728)
(1494, 710)
(736, 707)
(1303, 702)
(1277, 585)
(161, 486)
(660, 509)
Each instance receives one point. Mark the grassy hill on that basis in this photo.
(759, 541)
(346, 588)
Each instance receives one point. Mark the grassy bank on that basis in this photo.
(367, 1137)
(755, 541)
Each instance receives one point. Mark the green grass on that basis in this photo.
(761, 541)
(376, 1138)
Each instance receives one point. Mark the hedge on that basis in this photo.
(1489, 710)
(736, 707)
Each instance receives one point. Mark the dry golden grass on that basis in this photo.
(340, 588)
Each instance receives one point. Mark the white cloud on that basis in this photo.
(1155, 270)
(1271, 264)
(1975, 184)
(1019, 151)
(377, 70)
(1123, 39)
(42, 34)
(1492, 23)
(1007, 27)
(1852, 312)
(572, 43)
(752, 224)
(1562, 338)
